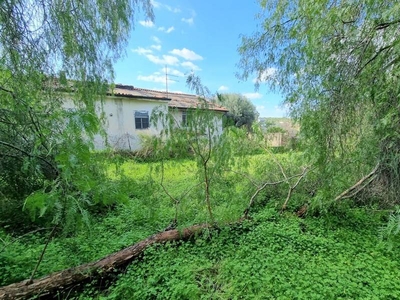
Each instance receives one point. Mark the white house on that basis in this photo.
(128, 111)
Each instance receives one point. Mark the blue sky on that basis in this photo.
(199, 36)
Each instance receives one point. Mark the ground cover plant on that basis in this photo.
(147, 209)
(272, 254)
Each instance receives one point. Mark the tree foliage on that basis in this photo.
(241, 111)
(201, 135)
(337, 64)
(51, 50)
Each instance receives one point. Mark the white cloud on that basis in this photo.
(186, 54)
(152, 78)
(190, 21)
(156, 39)
(253, 95)
(164, 60)
(172, 9)
(142, 51)
(266, 75)
(147, 23)
(190, 65)
(223, 88)
(160, 5)
(157, 47)
(168, 30)
(173, 72)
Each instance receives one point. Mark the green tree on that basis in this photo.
(337, 64)
(241, 111)
(51, 51)
(200, 135)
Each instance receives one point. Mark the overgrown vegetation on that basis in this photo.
(49, 64)
(272, 256)
(321, 223)
(336, 64)
(332, 254)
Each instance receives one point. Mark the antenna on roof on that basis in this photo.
(166, 79)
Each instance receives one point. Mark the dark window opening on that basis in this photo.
(184, 118)
(142, 120)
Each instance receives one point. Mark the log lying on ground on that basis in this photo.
(66, 278)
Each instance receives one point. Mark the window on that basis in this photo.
(184, 118)
(141, 119)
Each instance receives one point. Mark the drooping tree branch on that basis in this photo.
(30, 155)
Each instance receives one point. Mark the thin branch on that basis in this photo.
(345, 194)
(291, 188)
(42, 254)
(373, 58)
(264, 185)
(19, 237)
(386, 24)
(8, 91)
(30, 155)
(361, 188)
(175, 200)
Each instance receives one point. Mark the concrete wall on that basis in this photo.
(217, 120)
(119, 114)
(120, 122)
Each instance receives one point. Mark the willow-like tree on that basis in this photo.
(337, 62)
(48, 47)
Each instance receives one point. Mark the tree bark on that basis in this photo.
(63, 279)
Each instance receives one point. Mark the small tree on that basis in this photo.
(200, 135)
(241, 111)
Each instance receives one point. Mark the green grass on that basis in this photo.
(338, 255)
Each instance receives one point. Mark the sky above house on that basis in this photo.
(195, 36)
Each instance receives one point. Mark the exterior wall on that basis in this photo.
(177, 114)
(119, 114)
(120, 122)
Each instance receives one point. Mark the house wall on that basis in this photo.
(119, 114)
(177, 114)
(120, 122)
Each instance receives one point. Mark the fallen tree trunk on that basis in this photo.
(66, 278)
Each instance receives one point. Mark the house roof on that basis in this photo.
(175, 100)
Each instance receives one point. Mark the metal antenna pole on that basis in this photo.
(166, 79)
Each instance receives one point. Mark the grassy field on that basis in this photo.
(336, 255)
